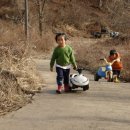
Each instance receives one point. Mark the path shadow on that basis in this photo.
(71, 92)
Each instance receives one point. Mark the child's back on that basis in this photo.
(117, 65)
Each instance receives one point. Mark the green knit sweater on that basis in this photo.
(63, 56)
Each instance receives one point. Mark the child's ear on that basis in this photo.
(65, 36)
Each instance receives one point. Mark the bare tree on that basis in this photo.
(40, 9)
(26, 18)
(100, 3)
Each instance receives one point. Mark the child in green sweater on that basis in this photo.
(64, 57)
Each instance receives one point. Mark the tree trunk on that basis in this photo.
(40, 9)
(26, 18)
(40, 24)
(100, 3)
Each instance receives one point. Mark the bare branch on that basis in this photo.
(43, 5)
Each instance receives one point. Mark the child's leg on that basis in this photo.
(109, 75)
(66, 73)
(59, 77)
(106, 74)
(117, 73)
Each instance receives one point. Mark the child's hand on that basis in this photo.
(118, 59)
(75, 67)
(51, 69)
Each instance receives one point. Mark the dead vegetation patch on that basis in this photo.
(19, 79)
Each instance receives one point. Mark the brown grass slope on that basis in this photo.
(19, 79)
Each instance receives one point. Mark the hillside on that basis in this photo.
(74, 17)
(114, 14)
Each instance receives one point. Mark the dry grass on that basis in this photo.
(19, 79)
(42, 44)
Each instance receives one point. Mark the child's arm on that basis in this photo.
(108, 62)
(53, 58)
(118, 59)
(72, 60)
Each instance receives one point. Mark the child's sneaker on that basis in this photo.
(116, 80)
(106, 78)
(58, 92)
(66, 88)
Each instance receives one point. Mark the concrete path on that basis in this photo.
(106, 106)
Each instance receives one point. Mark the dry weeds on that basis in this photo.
(19, 79)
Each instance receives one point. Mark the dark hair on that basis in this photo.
(112, 52)
(60, 34)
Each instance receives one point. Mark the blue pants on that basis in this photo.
(62, 75)
(117, 72)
